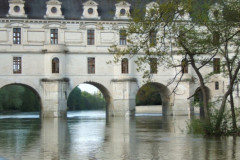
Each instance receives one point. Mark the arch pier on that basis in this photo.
(54, 97)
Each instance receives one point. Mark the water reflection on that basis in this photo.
(88, 135)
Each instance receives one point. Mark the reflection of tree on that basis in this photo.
(19, 135)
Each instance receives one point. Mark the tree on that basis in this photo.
(194, 37)
(148, 95)
(75, 99)
(227, 24)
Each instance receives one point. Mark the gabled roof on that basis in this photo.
(71, 9)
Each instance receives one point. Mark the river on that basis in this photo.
(88, 135)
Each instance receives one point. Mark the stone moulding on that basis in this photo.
(55, 80)
(124, 80)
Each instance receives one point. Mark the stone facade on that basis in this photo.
(37, 46)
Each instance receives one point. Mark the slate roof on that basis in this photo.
(71, 9)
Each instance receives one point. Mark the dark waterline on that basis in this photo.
(89, 135)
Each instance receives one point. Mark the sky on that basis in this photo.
(88, 88)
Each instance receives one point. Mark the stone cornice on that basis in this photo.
(16, 1)
(53, 2)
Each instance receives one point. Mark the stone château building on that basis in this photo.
(52, 46)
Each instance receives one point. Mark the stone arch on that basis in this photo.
(198, 99)
(104, 91)
(29, 87)
(165, 96)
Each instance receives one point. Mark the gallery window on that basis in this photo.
(91, 65)
(216, 85)
(123, 37)
(55, 65)
(54, 36)
(125, 65)
(216, 65)
(153, 38)
(184, 66)
(17, 65)
(90, 37)
(16, 35)
(153, 65)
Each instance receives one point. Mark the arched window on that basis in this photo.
(125, 65)
(55, 65)
(184, 66)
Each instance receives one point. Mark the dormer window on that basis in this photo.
(90, 10)
(151, 9)
(54, 9)
(215, 12)
(16, 9)
(122, 10)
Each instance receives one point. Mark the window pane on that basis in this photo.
(184, 66)
(216, 85)
(153, 65)
(16, 35)
(125, 65)
(123, 37)
(216, 65)
(55, 65)
(54, 36)
(152, 38)
(17, 65)
(91, 65)
(90, 37)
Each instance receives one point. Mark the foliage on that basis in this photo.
(18, 98)
(85, 101)
(210, 30)
(201, 126)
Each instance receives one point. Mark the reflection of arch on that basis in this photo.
(104, 91)
(55, 65)
(29, 87)
(198, 99)
(165, 96)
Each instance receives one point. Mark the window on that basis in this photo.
(216, 65)
(153, 38)
(184, 66)
(17, 64)
(54, 36)
(216, 85)
(216, 38)
(90, 37)
(16, 35)
(123, 37)
(91, 65)
(55, 65)
(153, 65)
(125, 65)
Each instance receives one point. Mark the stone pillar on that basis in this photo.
(54, 138)
(182, 105)
(54, 101)
(124, 95)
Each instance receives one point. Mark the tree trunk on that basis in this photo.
(230, 90)
(233, 112)
(203, 89)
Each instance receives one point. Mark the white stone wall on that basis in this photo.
(72, 50)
